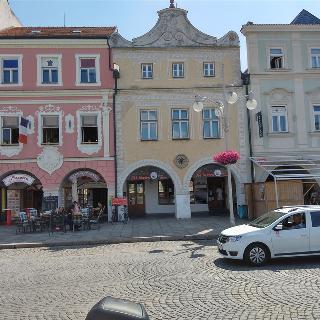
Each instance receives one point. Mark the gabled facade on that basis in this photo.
(164, 148)
(60, 80)
(284, 64)
(7, 17)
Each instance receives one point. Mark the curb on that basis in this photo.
(107, 241)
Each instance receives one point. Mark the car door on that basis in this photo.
(315, 232)
(292, 239)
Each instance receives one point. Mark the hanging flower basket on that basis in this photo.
(227, 157)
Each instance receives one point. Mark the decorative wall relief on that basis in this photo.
(31, 124)
(50, 108)
(69, 123)
(50, 159)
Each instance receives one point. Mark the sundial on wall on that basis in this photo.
(181, 161)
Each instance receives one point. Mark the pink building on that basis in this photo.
(60, 79)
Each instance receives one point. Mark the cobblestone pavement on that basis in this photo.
(175, 280)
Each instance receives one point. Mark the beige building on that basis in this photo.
(164, 148)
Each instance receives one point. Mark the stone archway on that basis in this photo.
(171, 176)
(20, 190)
(144, 163)
(85, 183)
(234, 170)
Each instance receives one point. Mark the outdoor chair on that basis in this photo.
(95, 221)
(23, 224)
(57, 223)
(38, 224)
(77, 222)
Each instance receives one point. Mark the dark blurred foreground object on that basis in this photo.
(117, 309)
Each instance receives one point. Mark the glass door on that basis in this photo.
(136, 202)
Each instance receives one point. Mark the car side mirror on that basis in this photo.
(278, 227)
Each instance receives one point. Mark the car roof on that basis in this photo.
(299, 208)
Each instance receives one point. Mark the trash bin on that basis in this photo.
(110, 308)
(243, 212)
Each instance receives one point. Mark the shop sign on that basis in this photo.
(18, 178)
(119, 201)
(211, 171)
(80, 174)
(148, 173)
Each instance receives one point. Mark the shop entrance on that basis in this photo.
(150, 191)
(87, 186)
(136, 197)
(21, 191)
(216, 194)
(209, 190)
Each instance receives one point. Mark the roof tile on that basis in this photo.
(57, 32)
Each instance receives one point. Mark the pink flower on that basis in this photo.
(227, 157)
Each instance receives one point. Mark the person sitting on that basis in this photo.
(99, 209)
(297, 221)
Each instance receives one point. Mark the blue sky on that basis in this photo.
(134, 18)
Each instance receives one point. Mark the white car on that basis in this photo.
(283, 232)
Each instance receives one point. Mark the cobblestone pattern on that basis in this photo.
(175, 280)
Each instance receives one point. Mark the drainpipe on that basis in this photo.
(246, 81)
(116, 76)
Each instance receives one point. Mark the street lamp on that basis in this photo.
(230, 98)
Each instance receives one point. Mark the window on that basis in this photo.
(49, 70)
(10, 71)
(276, 59)
(89, 129)
(279, 119)
(315, 58)
(208, 69)
(295, 221)
(88, 70)
(180, 124)
(148, 125)
(10, 130)
(146, 70)
(50, 129)
(165, 192)
(198, 191)
(210, 124)
(315, 218)
(316, 115)
(178, 70)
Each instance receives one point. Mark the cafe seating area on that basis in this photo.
(58, 220)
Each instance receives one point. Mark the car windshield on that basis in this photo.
(266, 219)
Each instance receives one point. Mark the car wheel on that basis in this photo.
(257, 254)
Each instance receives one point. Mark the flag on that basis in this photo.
(23, 130)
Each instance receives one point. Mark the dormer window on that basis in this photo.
(276, 58)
